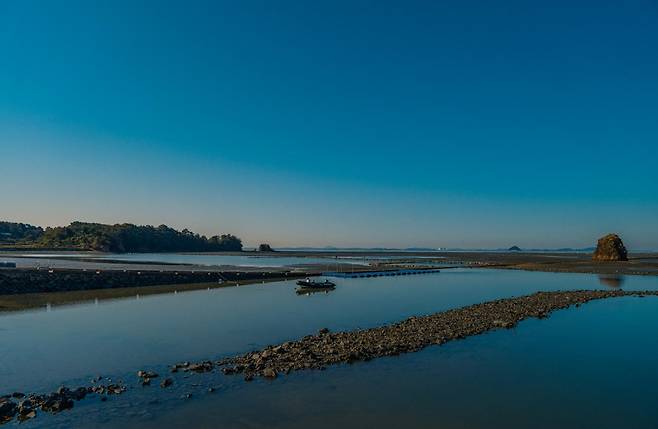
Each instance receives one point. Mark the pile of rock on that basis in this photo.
(146, 376)
(24, 407)
(413, 334)
(610, 248)
(8, 409)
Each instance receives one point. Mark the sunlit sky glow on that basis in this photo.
(345, 123)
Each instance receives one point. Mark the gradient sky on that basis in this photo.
(347, 123)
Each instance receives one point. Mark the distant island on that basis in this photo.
(514, 249)
(118, 238)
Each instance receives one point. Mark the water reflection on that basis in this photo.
(44, 349)
(575, 362)
(613, 281)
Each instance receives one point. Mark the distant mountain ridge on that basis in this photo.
(361, 249)
(431, 249)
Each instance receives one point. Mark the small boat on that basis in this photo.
(307, 286)
(315, 284)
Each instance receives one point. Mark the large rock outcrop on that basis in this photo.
(610, 248)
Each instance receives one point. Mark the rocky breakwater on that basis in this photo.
(610, 248)
(42, 281)
(410, 335)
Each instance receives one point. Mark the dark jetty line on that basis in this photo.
(326, 348)
(20, 281)
(410, 335)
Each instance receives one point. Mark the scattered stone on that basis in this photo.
(116, 389)
(610, 248)
(56, 402)
(201, 367)
(269, 373)
(166, 383)
(110, 389)
(8, 410)
(26, 414)
(146, 374)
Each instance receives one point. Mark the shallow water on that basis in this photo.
(198, 259)
(233, 260)
(69, 345)
(591, 367)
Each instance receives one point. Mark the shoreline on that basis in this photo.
(603, 270)
(74, 280)
(28, 288)
(41, 301)
(643, 262)
(19, 281)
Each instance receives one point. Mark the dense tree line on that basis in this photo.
(11, 232)
(123, 238)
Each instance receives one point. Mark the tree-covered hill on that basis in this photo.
(116, 238)
(11, 232)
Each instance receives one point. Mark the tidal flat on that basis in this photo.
(326, 348)
(231, 328)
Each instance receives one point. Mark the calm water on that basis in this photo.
(594, 367)
(235, 260)
(201, 259)
(575, 354)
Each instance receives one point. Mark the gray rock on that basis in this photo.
(146, 374)
(8, 410)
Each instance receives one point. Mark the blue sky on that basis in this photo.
(346, 123)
